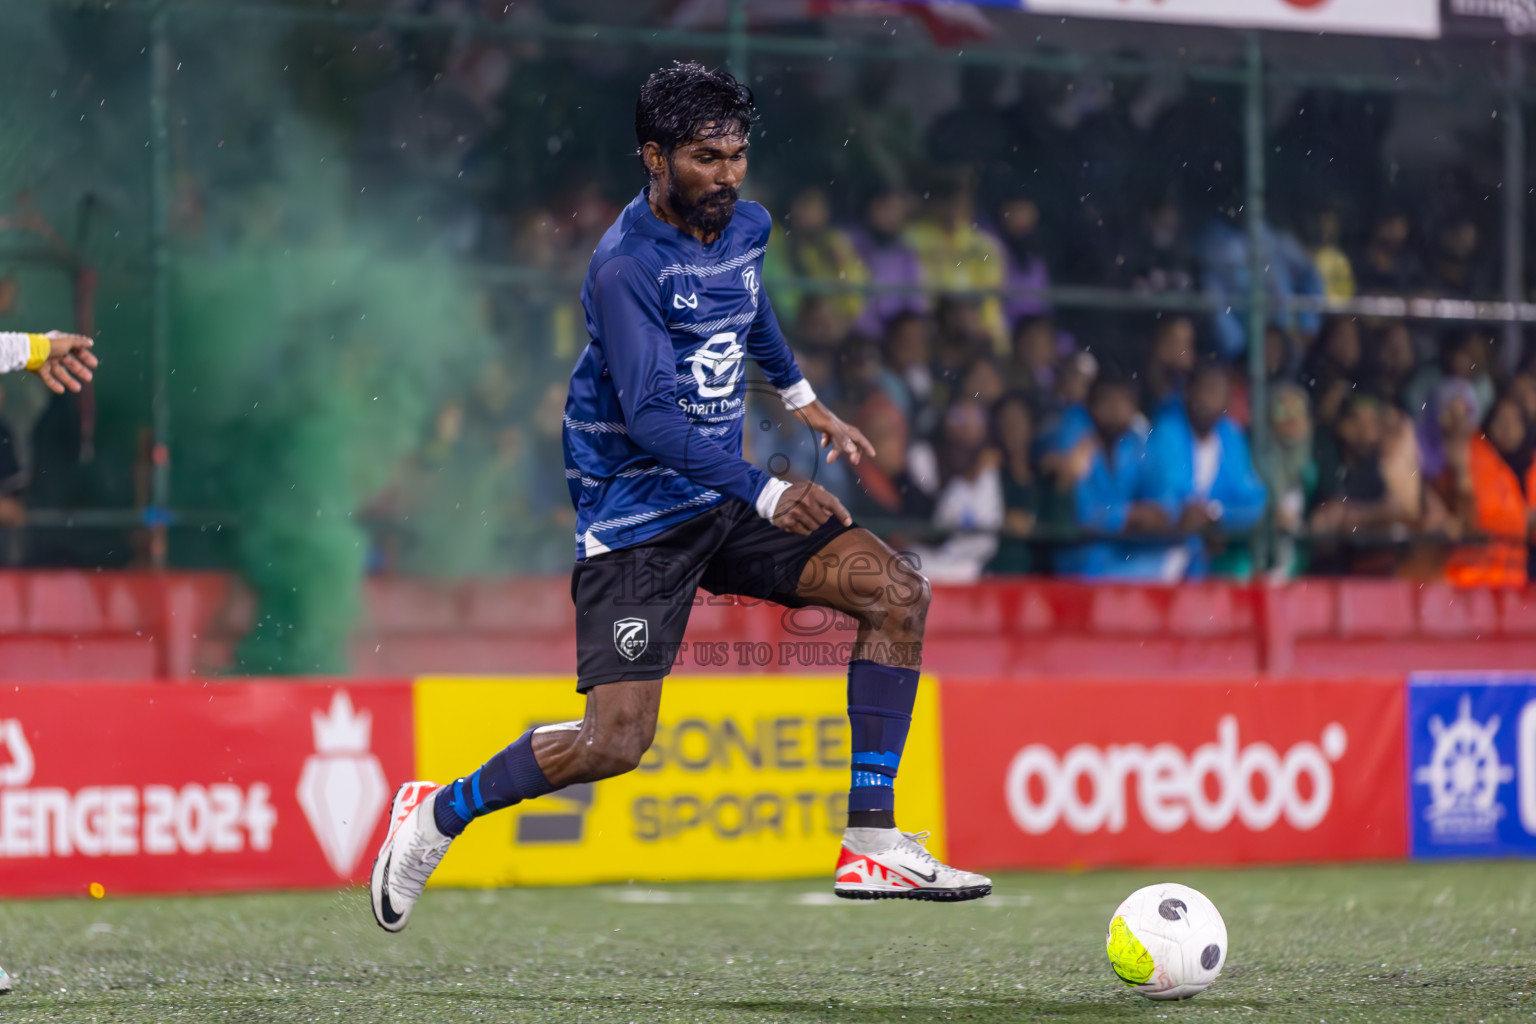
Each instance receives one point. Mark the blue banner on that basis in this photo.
(1472, 764)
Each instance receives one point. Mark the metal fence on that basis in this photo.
(176, 154)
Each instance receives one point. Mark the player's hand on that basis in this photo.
(70, 362)
(841, 438)
(805, 506)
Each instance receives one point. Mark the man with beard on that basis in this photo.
(665, 503)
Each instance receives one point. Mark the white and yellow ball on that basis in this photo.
(1167, 941)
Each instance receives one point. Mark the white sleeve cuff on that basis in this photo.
(768, 498)
(15, 351)
(798, 395)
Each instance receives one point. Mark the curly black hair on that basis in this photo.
(688, 101)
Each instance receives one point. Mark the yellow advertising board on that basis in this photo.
(747, 778)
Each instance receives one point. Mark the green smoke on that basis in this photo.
(305, 375)
(315, 338)
(309, 358)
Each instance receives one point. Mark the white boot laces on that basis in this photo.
(917, 845)
(421, 859)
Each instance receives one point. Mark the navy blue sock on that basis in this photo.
(880, 700)
(510, 777)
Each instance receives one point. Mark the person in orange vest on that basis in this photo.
(1515, 439)
(64, 361)
(1487, 512)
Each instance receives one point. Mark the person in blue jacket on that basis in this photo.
(1102, 477)
(1201, 472)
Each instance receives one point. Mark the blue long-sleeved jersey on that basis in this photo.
(653, 421)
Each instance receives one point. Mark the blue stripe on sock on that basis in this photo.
(872, 759)
(871, 780)
(459, 806)
(879, 712)
(474, 789)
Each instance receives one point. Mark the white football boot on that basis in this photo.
(5, 982)
(888, 864)
(411, 851)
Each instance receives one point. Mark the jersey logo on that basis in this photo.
(631, 637)
(749, 278)
(691, 302)
(717, 365)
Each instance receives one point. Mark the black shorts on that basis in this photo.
(632, 604)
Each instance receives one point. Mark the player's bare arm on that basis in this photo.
(805, 506)
(62, 360)
(837, 437)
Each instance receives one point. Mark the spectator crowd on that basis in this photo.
(1024, 439)
(913, 271)
(917, 265)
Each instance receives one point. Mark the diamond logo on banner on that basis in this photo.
(342, 788)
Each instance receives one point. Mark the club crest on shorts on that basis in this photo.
(631, 637)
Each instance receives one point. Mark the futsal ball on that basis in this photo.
(1167, 941)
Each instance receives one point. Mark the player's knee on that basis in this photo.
(903, 607)
(628, 748)
(921, 590)
(617, 750)
(916, 612)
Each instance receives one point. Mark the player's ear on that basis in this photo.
(652, 157)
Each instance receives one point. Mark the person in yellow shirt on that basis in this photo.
(809, 246)
(958, 256)
(1328, 254)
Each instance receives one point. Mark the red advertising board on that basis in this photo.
(1061, 773)
(196, 787)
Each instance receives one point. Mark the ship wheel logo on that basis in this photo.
(1463, 775)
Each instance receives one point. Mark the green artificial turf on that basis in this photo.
(1399, 942)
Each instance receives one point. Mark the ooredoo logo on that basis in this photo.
(1087, 788)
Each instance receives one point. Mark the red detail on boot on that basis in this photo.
(862, 870)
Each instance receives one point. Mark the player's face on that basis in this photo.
(703, 181)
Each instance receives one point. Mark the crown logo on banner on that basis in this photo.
(342, 789)
(342, 730)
